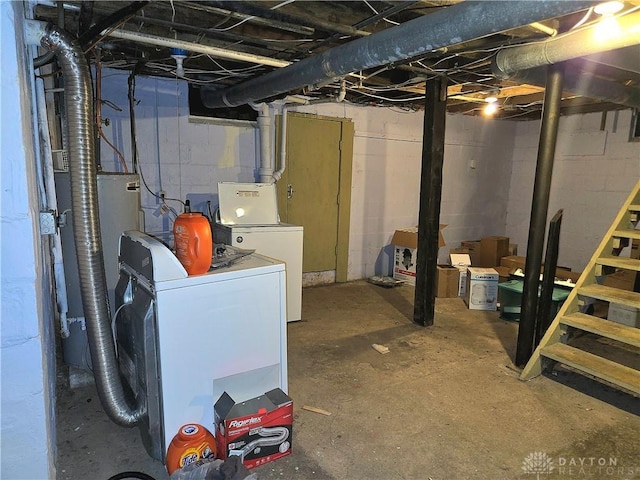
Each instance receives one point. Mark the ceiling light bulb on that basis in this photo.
(491, 99)
(608, 8)
(490, 108)
(178, 54)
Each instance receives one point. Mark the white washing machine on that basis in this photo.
(183, 339)
(249, 220)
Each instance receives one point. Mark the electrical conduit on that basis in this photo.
(52, 204)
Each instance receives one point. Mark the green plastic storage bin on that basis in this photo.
(511, 299)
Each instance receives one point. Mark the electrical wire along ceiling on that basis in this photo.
(493, 54)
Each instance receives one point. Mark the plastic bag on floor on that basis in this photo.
(210, 469)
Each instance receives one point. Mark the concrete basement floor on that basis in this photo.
(444, 403)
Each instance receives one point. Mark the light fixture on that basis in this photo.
(608, 28)
(608, 8)
(490, 108)
(178, 54)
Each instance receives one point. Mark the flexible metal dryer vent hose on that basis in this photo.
(86, 228)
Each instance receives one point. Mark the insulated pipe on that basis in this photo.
(456, 24)
(86, 229)
(196, 47)
(600, 37)
(592, 87)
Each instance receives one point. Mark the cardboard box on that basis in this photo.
(482, 288)
(503, 274)
(622, 279)
(513, 262)
(624, 314)
(461, 261)
(567, 275)
(492, 249)
(405, 247)
(448, 281)
(473, 249)
(259, 430)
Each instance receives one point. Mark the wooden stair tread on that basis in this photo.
(594, 365)
(605, 328)
(634, 208)
(610, 294)
(627, 233)
(625, 263)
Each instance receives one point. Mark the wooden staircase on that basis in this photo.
(556, 346)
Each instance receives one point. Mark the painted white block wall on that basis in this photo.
(187, 159)
(387, 158)
(183, 158)
(27, 352)
(594, 172)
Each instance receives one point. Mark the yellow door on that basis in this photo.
(309, 193)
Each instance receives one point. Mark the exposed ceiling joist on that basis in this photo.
(281, 33)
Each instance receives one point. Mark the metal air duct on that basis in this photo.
(456, 24)
(595, 39)
(84, 192)
(585, 86)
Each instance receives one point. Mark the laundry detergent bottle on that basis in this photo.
(193, 241)
(193, 442)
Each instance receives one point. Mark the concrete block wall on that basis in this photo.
(594, 172)
(387, 158)
(27, 347)
(488, 172)
(186, 160)
(182, 157)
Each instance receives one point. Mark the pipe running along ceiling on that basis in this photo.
(380, 52)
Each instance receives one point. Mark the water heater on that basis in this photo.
(119, 206)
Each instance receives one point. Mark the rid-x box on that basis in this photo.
(258, 430)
